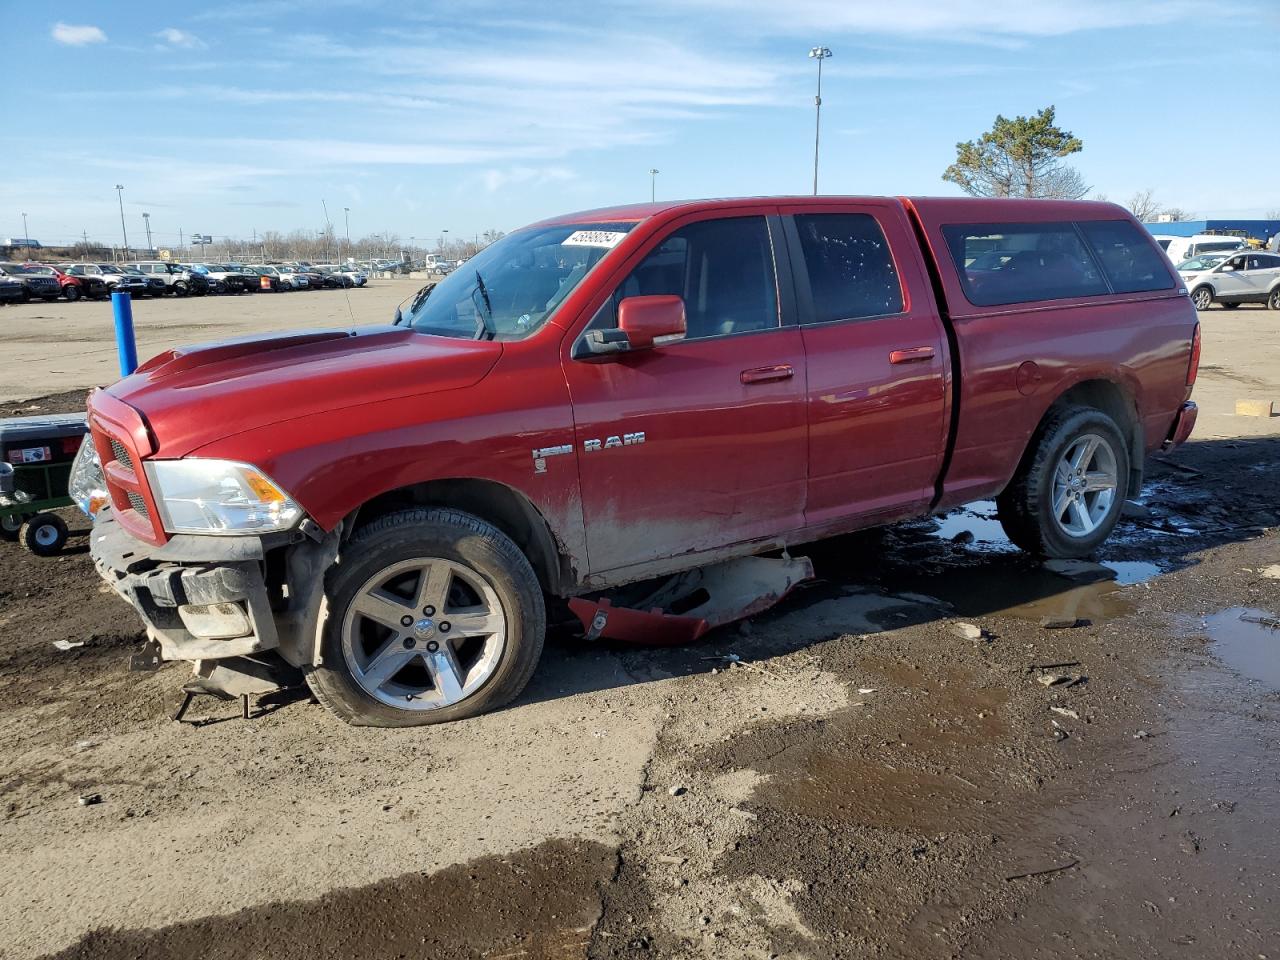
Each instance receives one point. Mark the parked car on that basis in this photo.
(113, 275)
(156, 286)
(221, 280)
(1242, 278)
(11, 291)
(1184, 248)
(179, 278)
(278, 283)
(37, 283)
(614, 396)
(248, 280)
(338, 275)
(297, 279)
(74, 288)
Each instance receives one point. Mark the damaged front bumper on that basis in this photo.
(204, 598)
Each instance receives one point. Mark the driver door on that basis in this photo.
(697, 444)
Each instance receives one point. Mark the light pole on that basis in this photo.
(26, 237)
(819, 54)
(146, 222)
(346, 217)
(653, 184)
(123, 230)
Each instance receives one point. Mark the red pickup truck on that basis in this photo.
(618, 395)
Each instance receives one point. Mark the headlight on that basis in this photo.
(219, 497)
(86, 485)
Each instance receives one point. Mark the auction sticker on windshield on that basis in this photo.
(593, 238)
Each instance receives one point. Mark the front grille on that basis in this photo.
(121, 454)
(139, 505)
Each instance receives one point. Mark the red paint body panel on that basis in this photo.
(750, 440)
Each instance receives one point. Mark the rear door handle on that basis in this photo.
(912, 355)
(781, 371)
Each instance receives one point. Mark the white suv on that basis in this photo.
(1252, 277)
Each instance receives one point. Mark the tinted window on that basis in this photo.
(851, 273)
(1033, 261)
(722, 268)
(1128, 259)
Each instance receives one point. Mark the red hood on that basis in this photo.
(193, 396)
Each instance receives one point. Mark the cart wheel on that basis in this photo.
(44, 534)
(10, 524)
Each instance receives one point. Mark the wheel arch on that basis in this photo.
(1114, 398)
(496, 503)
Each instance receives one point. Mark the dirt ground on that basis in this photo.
(849, 775)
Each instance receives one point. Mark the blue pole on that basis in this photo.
(126, 347)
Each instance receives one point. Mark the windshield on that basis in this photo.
(1199, 263)
(1210, 247)
(510, 288)
(16, 269)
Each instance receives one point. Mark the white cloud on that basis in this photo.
(495, 179)
(173, 37)
(77, 35)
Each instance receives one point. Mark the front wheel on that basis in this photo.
(434, 615)
(1273, 301)
(1202, 297)
(10, 524)
(71, 293)
(1067, 495)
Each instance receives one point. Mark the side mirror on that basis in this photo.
(1228, 268)
(647, 319)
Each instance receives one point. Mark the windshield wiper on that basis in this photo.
(486, 319)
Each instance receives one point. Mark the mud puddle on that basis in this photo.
(1248, 641)
(541, 902)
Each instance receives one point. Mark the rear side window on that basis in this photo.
(1001, 263)
(851, 272)
(1128, 259)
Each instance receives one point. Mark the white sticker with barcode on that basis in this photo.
(608, 239)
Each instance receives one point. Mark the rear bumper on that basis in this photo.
(1184, 421)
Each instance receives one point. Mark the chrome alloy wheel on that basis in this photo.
(424, 634)
(1084, 485)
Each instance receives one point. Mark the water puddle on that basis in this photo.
(974, 523)
(1129, 572)
(1248, 641)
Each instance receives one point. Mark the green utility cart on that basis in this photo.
(35, 464)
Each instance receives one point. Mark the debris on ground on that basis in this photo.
(1053, 679)
(678, 790)
(1141, 735)
(89, 799)
(969, 631)
(65, 645)
(1047, 870)
(1062, 623)
(1066, 712)
(1272, 572)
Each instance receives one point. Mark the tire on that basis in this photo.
(180, 288)
(369, 666)
(1202, 297)
(9, 527)
(1273, 299)
(44, 534)
(1230, 306)
(1026, 507)
(71, 292)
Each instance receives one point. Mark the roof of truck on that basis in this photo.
(980, 209)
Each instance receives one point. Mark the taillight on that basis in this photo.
(1194, 367)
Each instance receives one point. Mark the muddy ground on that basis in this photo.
(849, 775)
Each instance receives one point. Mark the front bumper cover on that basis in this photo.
(199, 597)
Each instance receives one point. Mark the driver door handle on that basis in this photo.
(781, 371)
(912, 355)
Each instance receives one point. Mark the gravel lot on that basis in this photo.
(867, 781)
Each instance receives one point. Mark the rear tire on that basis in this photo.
(1066, 497)
(434, 615)
(44, 534)
(72, 293)
(1202, 297)
(1273, 301)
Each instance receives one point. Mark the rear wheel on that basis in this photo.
(1066, 497)
(180, 288)
(44, 534)
(71, 292)
(1273, 301)
(1202, 297)
(434, 615)
(9, 527)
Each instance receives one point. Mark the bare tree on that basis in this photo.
(1177, 213)
(1273, 214)
(1144, 205)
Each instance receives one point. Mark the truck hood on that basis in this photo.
(193, 396)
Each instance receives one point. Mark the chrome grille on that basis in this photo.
(121, 454)
(139, 505)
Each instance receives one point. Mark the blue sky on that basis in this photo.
(473, 114)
